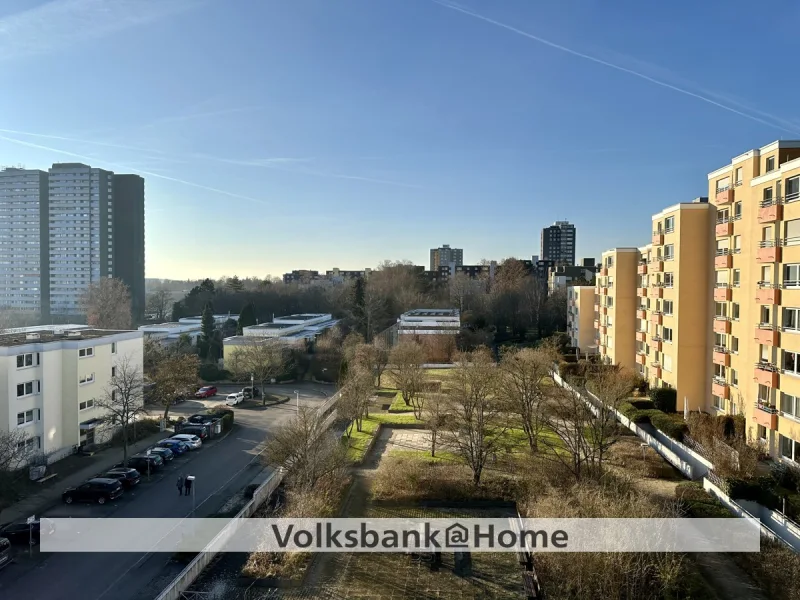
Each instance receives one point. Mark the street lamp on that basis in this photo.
(252, 391)
(297, 398)
(191, 478)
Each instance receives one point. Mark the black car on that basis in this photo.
(199, 431)
(199, 420)
(5, 552)
(127, 477)
(165, 453)
(144, 463)
(99, 490)
(23, 533)
(251, 392)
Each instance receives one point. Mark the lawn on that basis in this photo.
(425, 455)
(359, 441)
(399, 405)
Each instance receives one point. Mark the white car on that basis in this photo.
(190, 440)
(234, 399)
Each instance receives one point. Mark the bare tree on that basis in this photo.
(307, 450)
(374, 357)
(14, 452)
(435, 417)
(261, 358)
(612, 386)
(476, 423)
(174, 377)
(159, 303)
(569, 417)
(355, 395)
(107, 303)
(405, 365)
(123, 399)
(523, 383)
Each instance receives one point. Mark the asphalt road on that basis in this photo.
(221, 469)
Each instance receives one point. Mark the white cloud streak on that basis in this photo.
(61, 23)
(781, 124)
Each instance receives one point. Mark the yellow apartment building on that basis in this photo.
(674, 331)
(615, 306)
(757, 293)
(580, 317)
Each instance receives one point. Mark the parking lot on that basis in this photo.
(221, 468)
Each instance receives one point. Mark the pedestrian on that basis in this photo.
(180, 485)
(187, 486)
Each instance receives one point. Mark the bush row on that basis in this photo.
(698, 503)
(767, 492)
(664, 399)
(644, 411)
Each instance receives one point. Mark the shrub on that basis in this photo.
(635, 414)
(664, 399)
(568, 369)
(640, 384)
(671, 425)
(761, 490)
(698, 503)
(211, 372)
(642, 404)
(225, 413)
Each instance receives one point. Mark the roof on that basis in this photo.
(272, 326)
(432, 312)
(303, 316)
(20, 338)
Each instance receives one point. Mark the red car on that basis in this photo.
(206, 392)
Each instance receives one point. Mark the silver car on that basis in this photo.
(190, 440)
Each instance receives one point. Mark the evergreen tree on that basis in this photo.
(234, 284)
(358, 302)
(246, 318)
(207, 325)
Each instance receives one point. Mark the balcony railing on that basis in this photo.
(767, 408)
(789, 284)
(721, 349)
(768, 285)
(655, 364)
(656, 338)
(723, 252)
(764, 365)
(776, 243)
(723, 220)
(720, 285)
(771, 202)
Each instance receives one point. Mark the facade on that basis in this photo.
(615, 307)
(170, 333)
(446, 256)
(558, 243)
(128, 225)
(561, 277)
(301, 276)
(337, 275)
(580, 317)
(53, 379)
(757, 292)
(429, 321)
(674, 314)
(290, 330)
(24, 243)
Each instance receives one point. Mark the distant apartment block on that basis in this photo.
(301, 276)
(445, 256)
(55, 377)
(615, 303)
(558, 243)
(65, 229)
(561, 277)
(580, 318)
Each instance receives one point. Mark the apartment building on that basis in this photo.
(615, 306)
(674, 313)
(446, 256)
(757, 289)
(558, 243)
(53, 379)
(580, 317)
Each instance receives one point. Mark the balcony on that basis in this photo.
(769, 251)
(720, 388)
(658, 238)
(724, 228)
(767, 293)
(724, 196)
(722, 325)
(604, 310)
(605, 291)
(766, 374)
(603, 329)
(597, 324)
(723, 260)
(656, 292)
(656, 318)
(641, 292)
(767, 335)
(770, 211)
(641, 336)
(641, 314)
(642, 269)
(722, 293)
(655, 369)
(641, 359)
(766, 416)
(722, 356)
(603, 272)
(655, 343)
(656, 266)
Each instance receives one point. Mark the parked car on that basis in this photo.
(99, 489)
(199, 420)
(176, 446)
(144, 463)
(251, 392)
(5, 552)
(195, 430)
(129, 478)
(164, 453)
(206, 392)
(234, 399)
(191, 440)
(23, 533)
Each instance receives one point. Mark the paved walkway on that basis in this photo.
(51, 491)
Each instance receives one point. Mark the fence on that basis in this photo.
(193, 570)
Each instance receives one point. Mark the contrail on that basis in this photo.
(139, 171)
(80, 141)
(611, 65)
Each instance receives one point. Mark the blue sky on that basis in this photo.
(319, 133)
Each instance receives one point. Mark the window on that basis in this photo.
(767, 196)
(113, 371)
(719, 371)
(669, 224)
(737, 210)
(113, 347)
(87, 404)
(737, 178)
(789, 448)
(791, 233)
(668, 280)
(666, 362)
(84, 352)
(735, 311)
(28, 388)
(28, 416)
(791, 276)
(734, 345)
(790, 364)
(667, 334)
(791, 319)
(722, 216)
(723, 184)
(770, 164)
(114, 394)
(720, 309)
(765, 315)
(719, 340)
(717, 402)
(737, 277)
(29, 444)
(669, 252)
(762, 433)
(734, 377)
(610, 261)
(792, 191)
(27, 360)
(737, 244)
(667, 310)
(790, 405)
(84, 379)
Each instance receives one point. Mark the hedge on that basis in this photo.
(672, 425)
(698, 503)
(664, 399)
(211, 372)
(637, 415)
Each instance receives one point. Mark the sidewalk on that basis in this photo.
(50, 493)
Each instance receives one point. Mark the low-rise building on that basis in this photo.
(561, 277)
(429, 321)
(580, 317)
(53, 379)
(170, 333)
